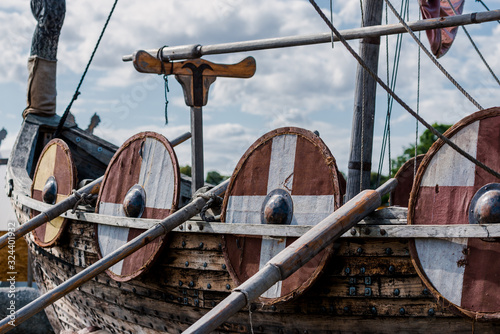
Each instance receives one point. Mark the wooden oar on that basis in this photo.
(163, 227)
(53, 212)
(294, 256)
(65, 205)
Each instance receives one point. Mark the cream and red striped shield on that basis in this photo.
(292, 160)
(400, 196)
(462, 271)
(147, 160)
(54, 166)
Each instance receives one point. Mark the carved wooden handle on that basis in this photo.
(146, 63)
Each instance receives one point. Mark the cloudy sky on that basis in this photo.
(310, 87)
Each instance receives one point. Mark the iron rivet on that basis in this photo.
(191, 284)
(353, 231)
(181, 227)
(99, 149)
(396, 292)
(223, 266)
(388, 251)
(431, 312)
(426, 291)
(183, 244)
(273, 308)
(228, 286)
(179, 299)
(213, 304)
(205, 264)
(180, 283)
(189, 227)
(78, 139)
(186, 264)
(209, 286)
(392, 269)
(373, 310)
(200, 245)
(367, 231)
(201, 227)
(402, 311)
(346, 309)
(359, 250)
(119, 284)
(134, 290)
(382, 232)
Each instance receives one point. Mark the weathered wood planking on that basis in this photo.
(150, 304)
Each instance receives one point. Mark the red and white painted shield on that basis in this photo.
(462, 271)
(405, 175)
(297, 164)
(54, 179)
(141, 181)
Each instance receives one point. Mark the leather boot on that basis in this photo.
(41, 87)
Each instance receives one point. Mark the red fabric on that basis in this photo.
(442, 38)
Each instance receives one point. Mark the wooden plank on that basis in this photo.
(194, 259)
(194, 279)
(370, 286)
(372, 247)
(210, 242)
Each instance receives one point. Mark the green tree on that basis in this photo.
(425, 141)
(214, 177)
(186, 170)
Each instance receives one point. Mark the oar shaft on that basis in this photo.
(53, 212)
(165, 226)
(294, 256)
(195, 51)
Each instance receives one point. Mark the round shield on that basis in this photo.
(405, 175)
(461, 272)
(54, 179)
(287, 177)
(141, 181)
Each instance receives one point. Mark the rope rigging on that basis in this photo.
(398, 99)
(386, 138)
(432, 58)
(484, 5)
(77, 91)
(475, 47)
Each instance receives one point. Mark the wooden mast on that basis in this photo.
(364, 105)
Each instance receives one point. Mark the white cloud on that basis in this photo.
(310, 87)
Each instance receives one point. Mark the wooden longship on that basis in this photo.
(427, 268)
